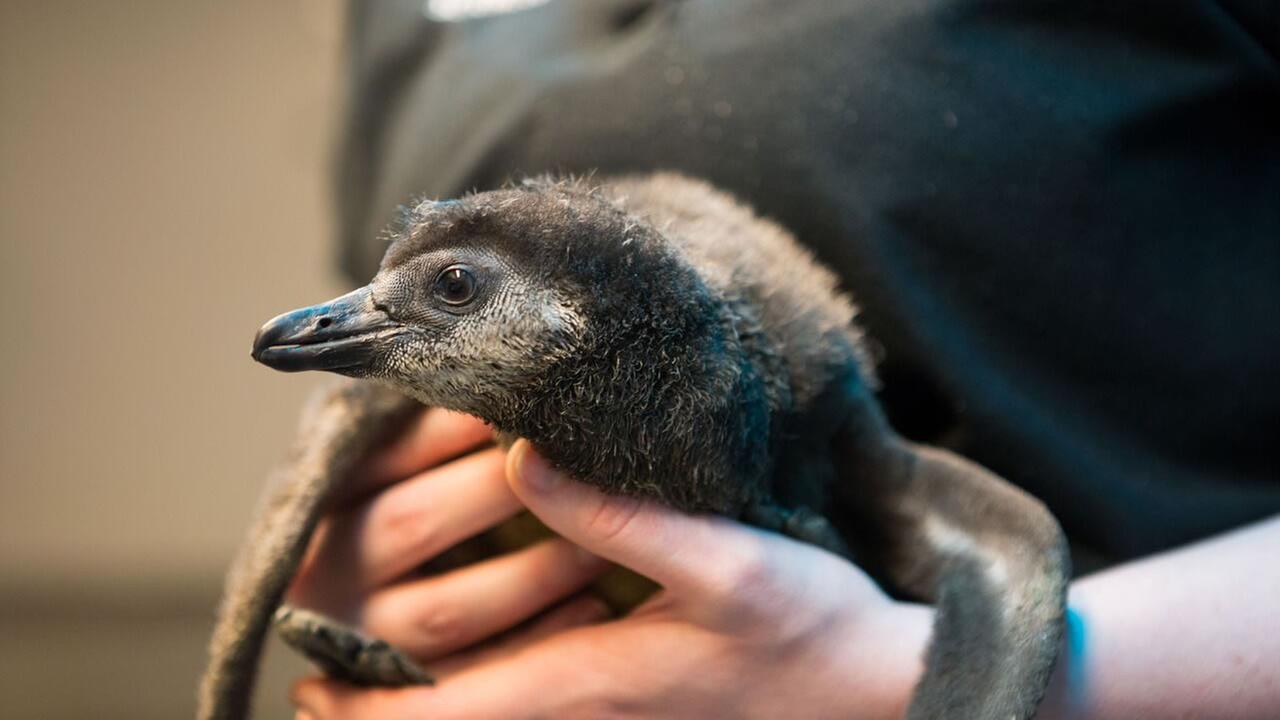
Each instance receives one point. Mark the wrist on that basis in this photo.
(888, 652)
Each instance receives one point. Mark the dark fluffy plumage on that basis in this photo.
(673, 389)
(655, 338)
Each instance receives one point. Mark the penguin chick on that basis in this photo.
(636, 358)
(654, 338)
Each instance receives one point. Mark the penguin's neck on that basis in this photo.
(670, 411)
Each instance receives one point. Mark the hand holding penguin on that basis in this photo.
(782, 627)
(658, 341)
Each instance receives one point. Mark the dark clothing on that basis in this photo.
(1061, 218)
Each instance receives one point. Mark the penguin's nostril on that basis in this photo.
(324, 322)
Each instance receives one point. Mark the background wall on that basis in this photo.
(163, 191)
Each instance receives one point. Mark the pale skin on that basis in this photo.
(748, 625)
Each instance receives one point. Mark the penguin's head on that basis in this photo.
(481, 300)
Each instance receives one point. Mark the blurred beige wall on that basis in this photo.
(163, 190)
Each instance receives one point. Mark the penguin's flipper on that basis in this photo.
(341, 426)
(990, 557)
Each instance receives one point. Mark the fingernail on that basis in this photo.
(301, 712)
(537, 473)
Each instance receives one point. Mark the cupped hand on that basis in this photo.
(748, 624)
(439, 484)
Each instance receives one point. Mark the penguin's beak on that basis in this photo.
(343, 335)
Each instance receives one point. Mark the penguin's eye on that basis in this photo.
(455, 285)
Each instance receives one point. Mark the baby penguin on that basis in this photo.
(654, 338)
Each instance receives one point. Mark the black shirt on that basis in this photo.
(1061, 219)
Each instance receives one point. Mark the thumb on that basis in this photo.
(678, 551)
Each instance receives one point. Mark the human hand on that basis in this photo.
(748, 625)
(437, 485)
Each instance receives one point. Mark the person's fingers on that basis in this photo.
(687, 554)
(586, 609)
(432, 438)
(568, 675)
(402, 527)
(319, 698)
(438, 615)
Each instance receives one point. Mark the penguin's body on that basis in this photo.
(653, 337)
